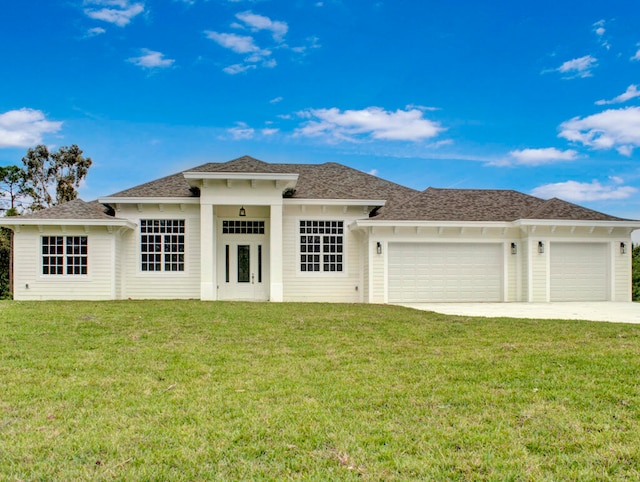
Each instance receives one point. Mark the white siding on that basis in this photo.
(336, 287)
(513, 281)
(161, 285)
(621, 271)
(539, 269)
(364, 246)
(31, 284)
(377, 270)
(523, 257)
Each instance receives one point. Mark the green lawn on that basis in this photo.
(188, 390)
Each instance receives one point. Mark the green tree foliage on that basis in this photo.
(47, 179)
(636, 273)
(11, 189)
(5, 263)
(48, 174)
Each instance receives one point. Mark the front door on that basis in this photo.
(243, 260)
(243, 267)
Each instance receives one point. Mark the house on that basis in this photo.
(250, 230)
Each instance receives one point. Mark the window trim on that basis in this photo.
(64, 256)
(321, 273)
(162, 272)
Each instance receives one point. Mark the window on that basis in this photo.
(242, 227)
(321, 246)
(64, 255)
(162, 244)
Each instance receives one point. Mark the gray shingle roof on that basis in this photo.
(76, 209)
(485, 205)
(335, 181)
(169, 186)
(315, 181)
(555, 208)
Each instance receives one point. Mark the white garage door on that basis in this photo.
(433, 272)
(579, 272)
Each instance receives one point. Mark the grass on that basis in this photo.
(188, 390)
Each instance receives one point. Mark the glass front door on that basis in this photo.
(244, 270)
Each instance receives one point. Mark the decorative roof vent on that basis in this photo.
(289, 192)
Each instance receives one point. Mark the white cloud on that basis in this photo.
(238, 68)
(240, 44)
(241, 132)
(93, 32)
(276, 100)
(537, 157)
(373, 122)
(631, 93)
(373, 172)
(636, 56)
(25, 127)
(599, 30)
(117, 12)
(151, 60)
(257, 22)
(250, 46)
(580, 67)
(612, 129)
(312, 43)
(269, 131)
(584, 191)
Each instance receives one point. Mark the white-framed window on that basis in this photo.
(64, 255)
(321, 246)
(233, 226)
(162, 245)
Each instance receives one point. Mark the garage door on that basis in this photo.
(433, 272)
(579, 272)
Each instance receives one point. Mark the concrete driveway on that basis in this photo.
(593, 311)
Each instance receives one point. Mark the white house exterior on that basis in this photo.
(249, 230)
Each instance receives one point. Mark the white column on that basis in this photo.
(276, 253)
(208, 290)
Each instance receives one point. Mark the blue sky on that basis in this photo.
(542, 97)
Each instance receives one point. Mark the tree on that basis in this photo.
(53, 173)
(635, 269)
(45, 175)
(5, 263)
(11, 188)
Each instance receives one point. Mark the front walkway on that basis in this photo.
(594, 311)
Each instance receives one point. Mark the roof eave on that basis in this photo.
(17, 221)
(149, 200)
(579, 222)
(267, 176)
(334, 202)
(365, 223)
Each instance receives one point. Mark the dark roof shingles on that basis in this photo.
(336, 181)
(76, 209)
(315, 181)
(486, 205)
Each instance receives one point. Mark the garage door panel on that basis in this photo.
(579, 272)
(445, 272)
